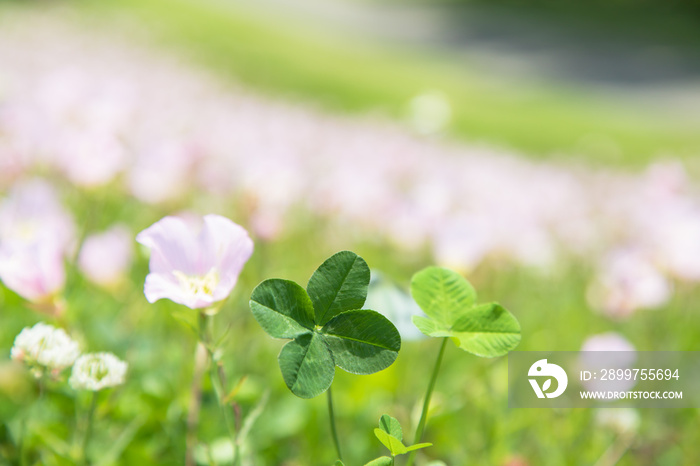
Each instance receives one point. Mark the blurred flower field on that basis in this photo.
(102, 137)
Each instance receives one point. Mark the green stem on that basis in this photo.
(206, 327)
(616, 451)
(27, 416)
(23, 461)
(426, 402)
(88, 427)
(200, 362)
(334, 431)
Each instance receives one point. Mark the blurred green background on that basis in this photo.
(545, 80)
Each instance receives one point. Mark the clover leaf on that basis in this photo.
(391, 436)
(381, 461)
(449, 301)
(326, 325)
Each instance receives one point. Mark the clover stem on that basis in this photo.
(334, 432)
(426, 402)
(217, 381)
(24, 422)
(89, 418)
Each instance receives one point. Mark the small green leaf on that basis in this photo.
(391, 426)
(338, 463)
(282, 308)
(339, 284)
(430, 327)
(442, 293)
(381, 461)
(392, 443)
(307, 365)
(418, 446)
(362, 341)
(488, 330)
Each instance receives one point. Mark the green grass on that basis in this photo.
(471, 423)
(353, 75)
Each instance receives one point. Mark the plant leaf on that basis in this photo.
(358, 341)
(442, 294)
(418, 446)
(118, 446)
(392, 443)
(282, 308)
(391, 426)
(338, 463)
(381, 461)
(487, 330)
(362, 341)
(307, 365)
(430, 327)
(339, 284)
(253, 416)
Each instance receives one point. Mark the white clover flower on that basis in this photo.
(621, 420)
(46, 346)
(95, 371)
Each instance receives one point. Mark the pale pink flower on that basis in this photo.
(90, 159)
(106, 257)
(35, 271)
(161, 172)
(463, 242)
(33, 213)
(194, 268)
(628, 281)
(609, 341)
(611, 351)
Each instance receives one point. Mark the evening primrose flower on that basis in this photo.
(35, 271)
(106, 257)
(194, 268)
(628, 281)
(32, 214)
(45, 347)
(95, 371)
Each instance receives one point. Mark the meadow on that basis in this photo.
(107, 127)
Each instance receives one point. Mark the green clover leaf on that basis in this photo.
(326, 325)
(449, 301)
(391, 436)
(381, 461)
(391, 426)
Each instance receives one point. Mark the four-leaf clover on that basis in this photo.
(326, 324)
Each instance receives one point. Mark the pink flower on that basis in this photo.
(32, 213)
(161, 172)
(194, 268)
(612, 351)
(75, 156)
(627, 282)
(34, 271)
(106, 257)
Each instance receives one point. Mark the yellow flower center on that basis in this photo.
(199, 284)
